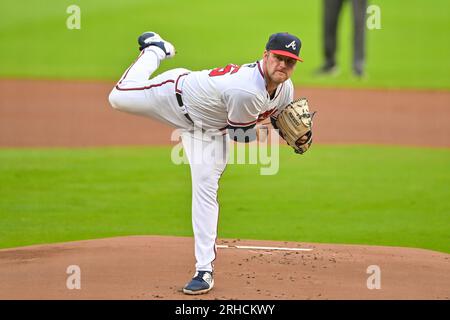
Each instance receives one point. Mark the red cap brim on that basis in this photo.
(287, 54)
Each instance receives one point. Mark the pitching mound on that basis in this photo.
(151, 267)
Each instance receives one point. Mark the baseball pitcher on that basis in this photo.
(226, 103)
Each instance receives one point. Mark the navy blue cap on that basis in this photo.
(285, 44)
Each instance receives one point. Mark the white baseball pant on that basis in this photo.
(207, 155)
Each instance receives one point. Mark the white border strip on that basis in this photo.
(262, 248)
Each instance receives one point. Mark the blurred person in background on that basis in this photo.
(331, 11)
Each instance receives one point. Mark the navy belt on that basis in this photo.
(180, 99)
(181, 104)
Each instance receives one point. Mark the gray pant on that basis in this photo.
(332, 9)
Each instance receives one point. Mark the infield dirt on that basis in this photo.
(71, 113)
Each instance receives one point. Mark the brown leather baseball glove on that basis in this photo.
(295, 125)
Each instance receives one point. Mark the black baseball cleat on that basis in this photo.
(150, 38)
(358, 72)
(201, 283)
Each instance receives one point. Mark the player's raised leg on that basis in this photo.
(130, 94)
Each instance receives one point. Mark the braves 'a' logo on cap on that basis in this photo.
(292, 44)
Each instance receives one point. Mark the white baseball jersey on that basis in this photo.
(233, 95)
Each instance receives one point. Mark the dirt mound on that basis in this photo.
(153, 267)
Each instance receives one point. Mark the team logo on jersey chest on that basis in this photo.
(292, 44)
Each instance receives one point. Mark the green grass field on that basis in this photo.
(410, 50)
(335, 194)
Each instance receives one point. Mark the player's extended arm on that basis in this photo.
(243, 108)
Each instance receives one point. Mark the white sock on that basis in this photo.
(158, 51)
(142, 68)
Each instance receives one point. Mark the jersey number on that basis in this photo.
(231, 68)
